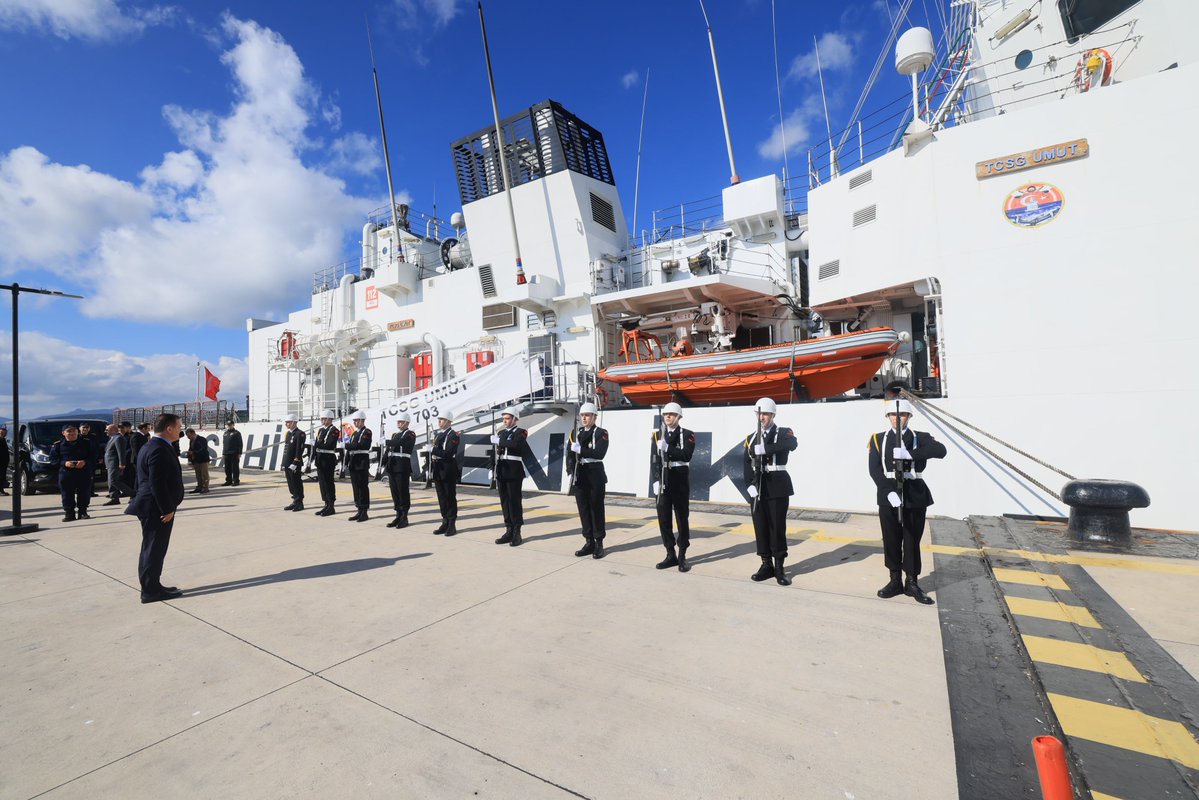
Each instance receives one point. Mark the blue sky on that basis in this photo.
(187, 166)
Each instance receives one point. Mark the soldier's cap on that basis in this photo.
(403, 416)
(511, 411)
(327, 414)
(446, 415)
(358, 415)
(900, 406)
(291, 418)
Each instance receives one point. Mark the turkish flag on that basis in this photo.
(212, 384)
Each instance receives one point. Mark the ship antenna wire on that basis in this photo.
(778, 86)
(498, 144)
(724, 116)
(640, 136)
(832, 154)
(395, 220)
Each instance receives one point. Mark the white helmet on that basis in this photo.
(403, 416)
(447, 415)
(291, 418)
(766, 406)
(511, 411)
(904, 408)
(672, 408)
(327, 414)
(359, 414)
(588, 408)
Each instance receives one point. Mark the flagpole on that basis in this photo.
(197, 383)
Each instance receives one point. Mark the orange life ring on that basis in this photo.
(1089, 64)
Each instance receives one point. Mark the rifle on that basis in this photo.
(574, 473)
(759, 469)
(899, 464)
(428, 456)
(311, 453)
(386, 454)
(663, 470)
(495, 452)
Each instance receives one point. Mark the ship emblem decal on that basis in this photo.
(1033, 204)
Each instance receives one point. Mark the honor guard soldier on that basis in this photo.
(673, 447)
(231, 451)
(399, 468)
(324, 454)
(293, 462)
(766, 452)
(73, 455)
(446, 471)
(897, 460)
(511, 443)
(358, 464)
(585, 463)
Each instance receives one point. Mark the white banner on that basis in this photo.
(515, 376)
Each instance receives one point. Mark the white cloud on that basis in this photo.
(80, 19)
(629, 79)
(237, 205)
(415, 13)
(836, 53)
(57, 376)
(798, 127)
(355, 152)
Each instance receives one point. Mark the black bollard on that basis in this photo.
(1099, 509)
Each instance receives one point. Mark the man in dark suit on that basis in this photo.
(399, 468)
(116, 463)
(137, 440)
(324, 455)
(897, 458)
(159, 493)
(293, 462)
(231, 451)
(358, 464)
(766, 451)
(511, 443)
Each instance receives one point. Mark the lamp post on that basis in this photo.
(16, 527)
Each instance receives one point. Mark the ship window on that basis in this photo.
(500, 315)
(1081, 17)
(1023, 59)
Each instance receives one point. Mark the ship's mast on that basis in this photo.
(395, 221)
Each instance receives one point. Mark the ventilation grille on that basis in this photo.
(487, 281)
(500, 315)
(864, 216)
(601, 212)
(829, 270)
(861, 179)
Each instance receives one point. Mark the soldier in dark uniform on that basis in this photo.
(671, 452)
(4, 459)
(231, 452)
(766, 452)
(358, 464)
(585, 463)
(443, 455)
(399, 468)
(85, 434)
(511, 443)
(901, 509)
(324, 455)
(293, 462)
(74, 456)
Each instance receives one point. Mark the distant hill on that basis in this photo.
(79, 413)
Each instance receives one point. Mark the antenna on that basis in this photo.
(778, 86)
(395, 220)
(832, 154)
(637, 180)
(728, 140)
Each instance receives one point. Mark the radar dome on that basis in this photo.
(914, 51)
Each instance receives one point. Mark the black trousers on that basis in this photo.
(901, 545)
(511, 503)
(295, 483)
(75, 487)
(447, 498)
(360, 481)
(677, 500)
(401, 498)
(590, 502)
(116, 482)
(770, 526)
(233, 467)
(156, 538)
(325, 467)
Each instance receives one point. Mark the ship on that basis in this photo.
(1016, 234)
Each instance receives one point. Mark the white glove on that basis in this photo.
(293, 467)
(752, 492)
(893, 499)
(759, 449)
(576, 447)
(901, 454)
(657, 488)
(662, 445)
(495, 439)
(490, 475)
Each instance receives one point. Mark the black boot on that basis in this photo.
(357, 517)
(451, 529)
(765, 571)
(780, 574)
(507, 537)
(362, 517)
(670, 561)
(113, 502)
(683, 565)
(289, 507)
(516, 540)
(587, 549)
(440, 529)
(394, 522)
(912, 589)
(599, 549)
(299, 506)
(324, 512)
(402, 520)
(894, 587)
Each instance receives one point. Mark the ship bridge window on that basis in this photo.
(1081, 17)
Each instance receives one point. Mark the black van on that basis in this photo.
(33, 472)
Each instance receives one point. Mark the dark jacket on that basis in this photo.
(510, 453)
(231, 443)
(326, 439)
(197, 450)
(159, 481)
(116, 454)
(399, 452)
(445, 456)
(358, 451)
(293, 447)
(81, 449)
(922, 446)
(680, 446)
(137, 440)
(5, 454)
(780, 442)
(595, 446)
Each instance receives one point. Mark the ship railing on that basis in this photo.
(643, 266)
(207, 414)
(418, 223)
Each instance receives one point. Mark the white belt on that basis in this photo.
(775, 467)
(912, 476)
(400, 455)
(358, 452)
(677, 464)
(326, 450)
(591, 461)
(507, 457)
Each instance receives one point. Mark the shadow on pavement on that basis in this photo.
(303, 573)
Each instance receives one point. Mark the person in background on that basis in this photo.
(199, 457)
(85, 433)
(231, 452)
(74, 458)
(116, 462)
(137, 440)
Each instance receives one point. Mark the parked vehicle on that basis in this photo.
(32, 470)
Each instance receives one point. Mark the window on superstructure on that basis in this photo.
(1081, 17)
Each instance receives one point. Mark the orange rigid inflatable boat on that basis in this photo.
(807, 370)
